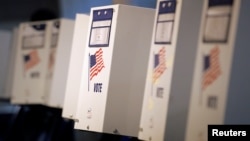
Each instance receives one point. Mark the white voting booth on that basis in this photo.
(42, 48)
(5, 51)
(114, 69)
(195, 92)
(75, 67)
(213, 66)
(160, 68)
(27, 86)
(59, 57)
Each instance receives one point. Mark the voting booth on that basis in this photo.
(41, 47)
(114, 69)
(159, 70)
(58, 64)
(195, 95)
(213, 66)
(75, 70)
(30, 62)
(5, 52)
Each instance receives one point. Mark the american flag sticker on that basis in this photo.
(30, 60)
(159, 64)
(96, 63)
(211, 68)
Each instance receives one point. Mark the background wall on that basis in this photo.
(12, 12)
(238, 103)
(69, 8)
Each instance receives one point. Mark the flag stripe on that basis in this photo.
(99, 64)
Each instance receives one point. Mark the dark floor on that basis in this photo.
(41, 123)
